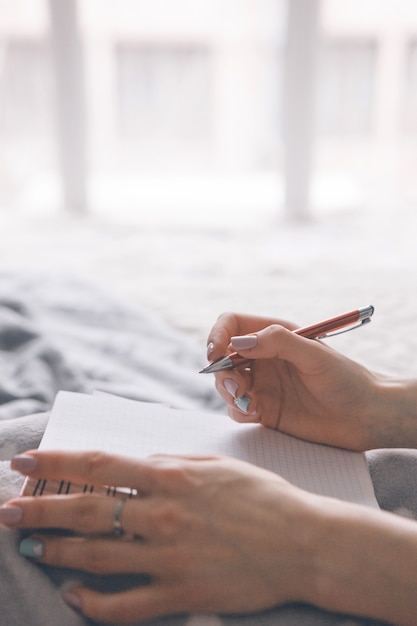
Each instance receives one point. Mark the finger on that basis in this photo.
(95, 468)
(229, 324)
(78, 513)
(158, 518)
(218, 340)
(231, 384)
(244, 411)
(90, 515)
(93, 555)
(103, 555)
(276, 341)
(234, 389)
(139, 604)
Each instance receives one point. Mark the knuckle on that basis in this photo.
(170, 469)
(167, 519)
(225, 316)
(224, 323)
(275, 336)
(94, 462)
(84, 513)
(93, 558)
(275, 329)
(35, 515)
(60, 551)
(38, 514)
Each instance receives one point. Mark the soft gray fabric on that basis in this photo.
(394, 476)
(65, 333)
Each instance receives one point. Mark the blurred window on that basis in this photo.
(346, 87)
(409, 117)
(165, 97)
(185, 86)
(27, 116)
(25, 88)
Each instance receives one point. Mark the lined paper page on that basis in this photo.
(138, 429)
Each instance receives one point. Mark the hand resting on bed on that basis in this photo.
(219, 535)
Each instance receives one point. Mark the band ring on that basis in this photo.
(117, 519)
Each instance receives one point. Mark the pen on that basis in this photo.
(327, 328)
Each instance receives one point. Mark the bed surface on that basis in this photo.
(64, 332)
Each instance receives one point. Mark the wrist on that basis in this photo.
(335, 557)
(365, 563)
(394, 414)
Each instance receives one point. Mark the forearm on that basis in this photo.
(366, 563)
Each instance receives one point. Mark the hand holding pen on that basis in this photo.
(303, 388)
(327, 328)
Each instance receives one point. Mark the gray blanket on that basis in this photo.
(65, 333)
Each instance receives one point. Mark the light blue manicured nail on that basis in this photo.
(242, 403)
(32, 548)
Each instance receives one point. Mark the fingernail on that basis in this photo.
(210, 349)
(244, 342)
(24, 463)
(231, 386)
(32, 548)
(73, 600)
(242, 403)
(10, 515)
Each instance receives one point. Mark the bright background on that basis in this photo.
(182, 103)
(198, 155)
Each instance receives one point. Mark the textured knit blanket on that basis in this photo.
(66, 333)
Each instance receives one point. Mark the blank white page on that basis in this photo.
(138, 429)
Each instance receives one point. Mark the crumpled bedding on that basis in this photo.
(63, 332)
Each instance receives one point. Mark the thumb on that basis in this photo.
(276, 341)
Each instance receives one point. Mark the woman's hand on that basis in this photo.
(213, 534)
(301, 387)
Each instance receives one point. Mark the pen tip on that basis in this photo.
(211, 367)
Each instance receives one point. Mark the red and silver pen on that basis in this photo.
(327, 328)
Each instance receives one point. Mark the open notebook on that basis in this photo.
(138, 429)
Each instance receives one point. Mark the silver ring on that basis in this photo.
(117, 519)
